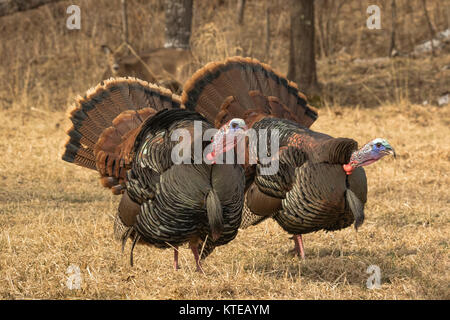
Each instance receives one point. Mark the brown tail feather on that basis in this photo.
(239, 87)
(106, 121)
(77, 154)
(114, 145)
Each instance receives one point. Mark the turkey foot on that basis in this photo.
(298, 249)
(175, 258)
(194, 250)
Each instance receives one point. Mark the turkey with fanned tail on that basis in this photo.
(320, 183)
(123, 128)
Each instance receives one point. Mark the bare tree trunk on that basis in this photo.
(328, 13)
(302, 63)
(337, 12)
(291, 61)
(178, 23)
(8, 7)
(321, 31)
(392, 49)
(267, 32)
(124, 21)
(430, 26)
(240, 10)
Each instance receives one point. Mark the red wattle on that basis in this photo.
(348, 168)
(211, 156)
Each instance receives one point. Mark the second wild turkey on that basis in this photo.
(123, 129)
(320, 183)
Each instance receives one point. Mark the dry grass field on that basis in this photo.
(54, 214)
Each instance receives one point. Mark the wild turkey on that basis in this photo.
(320, 183)
(123, 129)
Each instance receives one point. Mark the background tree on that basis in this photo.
(431, 29)
(267, 47)
(240, 11)
(124, 21)
(178, 16)
(302, 63)
(328, 14)
(392, 47)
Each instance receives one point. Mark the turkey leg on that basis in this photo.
(298, 250)
(175, 258)
(194, 250)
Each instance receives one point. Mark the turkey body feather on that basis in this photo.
(310, 185)
(174, 198)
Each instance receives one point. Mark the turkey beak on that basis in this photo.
(391, 151)
(242, 130)
(388, 150)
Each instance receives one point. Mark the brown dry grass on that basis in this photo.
(54, 214)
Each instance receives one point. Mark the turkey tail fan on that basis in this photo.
(243, 87)
(105, 123)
